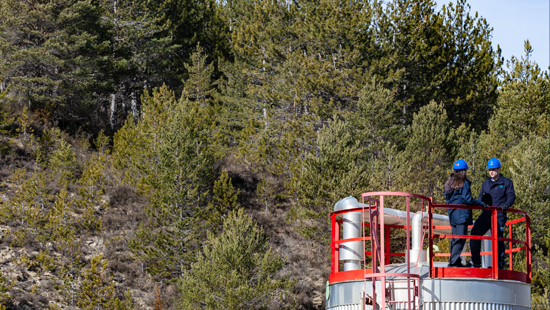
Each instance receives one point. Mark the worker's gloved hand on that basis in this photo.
(486, 205)
(505, 207)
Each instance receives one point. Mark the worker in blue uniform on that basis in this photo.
(457, 191)
(496, 191)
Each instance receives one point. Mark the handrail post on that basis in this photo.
(430, 239)
(381, 230)
(494, 237)
(510, 247)
(335, 264)
(387, 245)
(528, 247)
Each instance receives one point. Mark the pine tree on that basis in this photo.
(235, 270)
(468, 83)
(224, 200)
(5, 298)
(97, 290)
(407, 52)
(426, 154)
(335, 170)
(135, 145)
(527, 165)
(52, 56)
(5, 119)
(185, 176)
(377, 117)
(444, 56)
(183, 151)
(522, 106)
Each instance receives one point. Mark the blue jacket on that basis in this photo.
(498, 193)
(461, 196)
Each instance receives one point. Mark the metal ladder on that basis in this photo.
(387, 299)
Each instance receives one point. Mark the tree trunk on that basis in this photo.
(112, 120)
(133, 106)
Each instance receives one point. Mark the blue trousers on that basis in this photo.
(457, 244)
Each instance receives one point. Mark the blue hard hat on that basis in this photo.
(460, 164)
(493, 163)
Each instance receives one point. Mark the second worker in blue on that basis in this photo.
(497, 191)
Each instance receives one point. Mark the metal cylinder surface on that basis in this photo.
(487, 246)
(350, 252)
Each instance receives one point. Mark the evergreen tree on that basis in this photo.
(335, 170)
(5, 119)
(53, 56)
(407, 59)
(426, 154)
(141, 56)
(97, 290)
(522, 106)
(189, 23)
(135, 146)
(235, 270)
(224, 200)
(527, 165)
(468, 83)
(444, 56)
(377, 118)
(183, 151)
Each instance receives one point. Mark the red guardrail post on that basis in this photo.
(431, 240)
(494, 237)
(335, 264)
(510, 247)
(528, 246)
(387, 235)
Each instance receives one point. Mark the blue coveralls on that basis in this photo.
(495, 194)
(460, 218)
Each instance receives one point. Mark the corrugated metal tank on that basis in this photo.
(435, 293)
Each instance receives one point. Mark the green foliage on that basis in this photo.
(467, 84)
(54, 69)
(92, 186)
(29, 207)
(335, 170)
(198, 86)
(175, 164)
(522, 107)
(377, 118)
(97, 289)
(135, 145)
(5, 119)
(427, 152)
(63, 162)
(224, 200)
(235, 270)
(444, 56)
(5, 298)
(527, 165)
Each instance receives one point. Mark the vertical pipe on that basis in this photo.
(486, 246)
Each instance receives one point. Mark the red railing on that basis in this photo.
(380, 242)
(493, 272)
